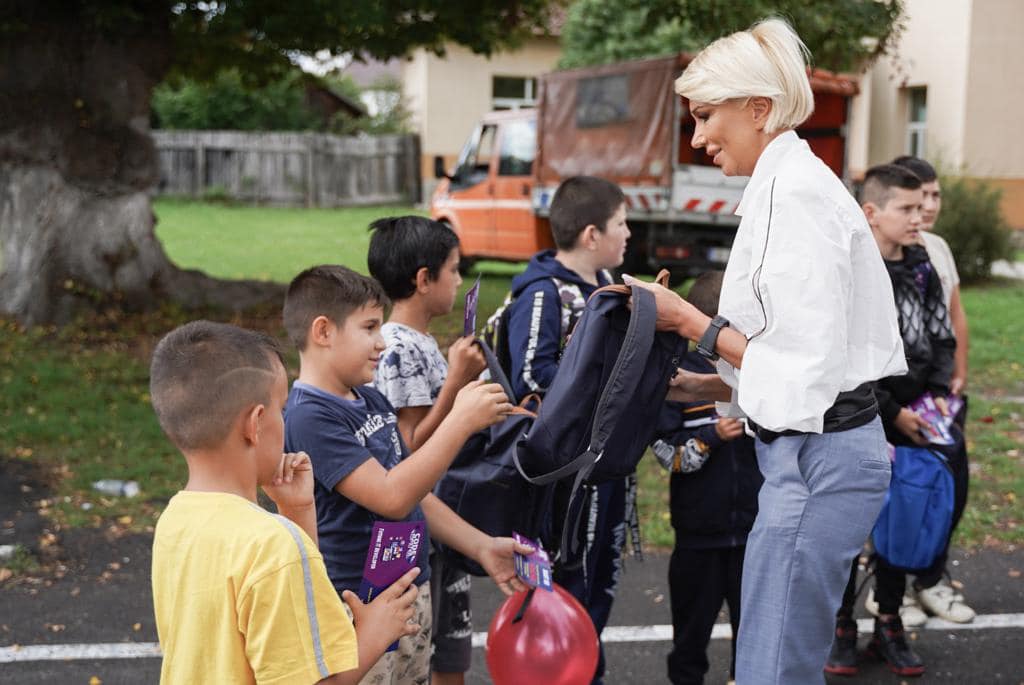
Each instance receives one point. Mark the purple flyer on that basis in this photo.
(533, 569)
(938, 425)
(394, 549)
(469, 317)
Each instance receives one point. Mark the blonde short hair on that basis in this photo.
(767, 60)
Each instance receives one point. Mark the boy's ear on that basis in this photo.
(320, 331)
(422, 278)
(760, 108)
(870, 212)
(251, 424)
(587, 239)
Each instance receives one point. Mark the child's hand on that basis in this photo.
(479, 405)
(388, 616)
(496, 557)
(465, 360)
(292, 486)
(942, 405)
(912, 425)
(728, 428)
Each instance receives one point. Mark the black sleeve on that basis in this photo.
(888, 408)
(943, 343)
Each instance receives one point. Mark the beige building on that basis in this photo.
(448, 95)
(953, 93)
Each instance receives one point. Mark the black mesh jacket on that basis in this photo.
(926, 331)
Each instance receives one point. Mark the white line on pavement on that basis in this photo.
(656, 633)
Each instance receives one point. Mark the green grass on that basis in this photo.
(266, 243)
(76, 400)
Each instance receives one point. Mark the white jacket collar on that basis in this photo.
(767, 165)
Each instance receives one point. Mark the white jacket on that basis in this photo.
(806, 284)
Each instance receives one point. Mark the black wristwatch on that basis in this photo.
(706, 344)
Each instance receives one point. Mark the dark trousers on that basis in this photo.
(594, 582)
(698, 581)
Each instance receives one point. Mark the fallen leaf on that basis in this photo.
(95, 680)
(54, 627)
(114, 566)
(5, 573)
(124, 520)
(137, 627)
(75, 591)
(1013, 573)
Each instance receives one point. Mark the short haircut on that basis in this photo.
(204, 374)
(327, 290)
(401, 246)
(579, 202)
(767, 60)
(705, 291)
(922, 169)
(881, 179)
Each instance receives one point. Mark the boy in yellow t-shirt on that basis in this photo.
(242, 595)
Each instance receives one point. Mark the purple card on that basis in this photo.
(533, 569)
(394, 549)
(469, 316)
(938, 425)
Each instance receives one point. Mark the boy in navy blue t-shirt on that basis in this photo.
(362, 469)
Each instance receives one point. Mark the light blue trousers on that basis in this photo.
(820, 499)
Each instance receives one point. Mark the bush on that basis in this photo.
(973, 224)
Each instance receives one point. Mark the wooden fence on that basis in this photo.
(292, 169)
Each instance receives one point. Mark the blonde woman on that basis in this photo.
(806, 323)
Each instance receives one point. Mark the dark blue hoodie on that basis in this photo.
(540, 318)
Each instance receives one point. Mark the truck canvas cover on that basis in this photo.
(613, 121)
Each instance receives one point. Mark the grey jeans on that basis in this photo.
(820, 499)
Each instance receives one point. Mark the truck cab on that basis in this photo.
(487, 197)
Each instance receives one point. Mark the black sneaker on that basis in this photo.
(842, 660)
(889, 644)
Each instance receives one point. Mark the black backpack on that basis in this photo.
(601, 411)
(483, 485)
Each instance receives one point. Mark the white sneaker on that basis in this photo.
(944, 602)
(910, 612)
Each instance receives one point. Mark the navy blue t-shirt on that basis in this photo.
(339, 435)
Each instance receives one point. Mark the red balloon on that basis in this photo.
(554, 643)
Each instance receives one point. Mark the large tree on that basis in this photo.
(842, 35)
(76, 159)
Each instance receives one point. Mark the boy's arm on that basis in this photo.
(940, 329)
(534, 338)
(417, 424)
(393, 493)
(292, 491)
(494, 554)
(378, 624)
(959, 317)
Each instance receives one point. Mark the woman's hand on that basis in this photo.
(674, 313)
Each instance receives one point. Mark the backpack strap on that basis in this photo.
(494, 367)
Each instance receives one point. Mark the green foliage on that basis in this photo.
(972, 223)
(227, 103)
(842, 34)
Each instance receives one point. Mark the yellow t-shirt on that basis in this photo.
(242, 596)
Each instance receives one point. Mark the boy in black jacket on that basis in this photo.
(713, 500)
(891, 199)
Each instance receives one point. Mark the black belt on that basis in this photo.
(852, 409)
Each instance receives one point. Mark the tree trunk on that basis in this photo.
(76, 167)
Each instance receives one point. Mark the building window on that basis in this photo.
(917, 115)
(513, 92)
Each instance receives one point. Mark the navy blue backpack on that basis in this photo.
(913, 526)
(483, 485)
(601, 410)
